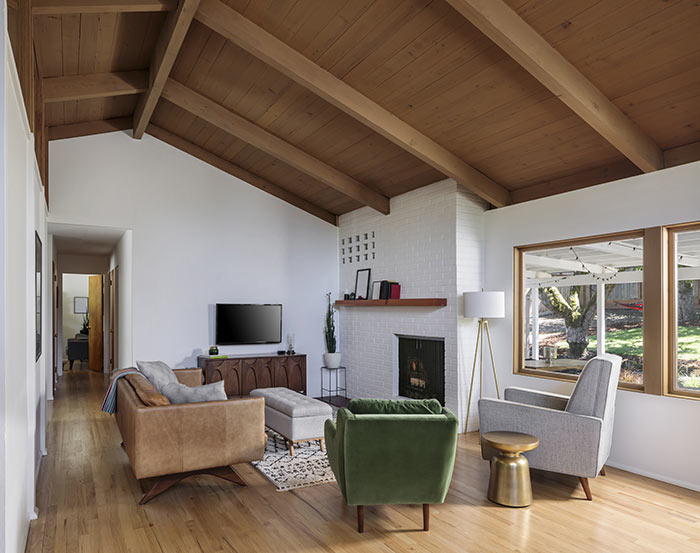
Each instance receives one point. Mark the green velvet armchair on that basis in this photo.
(392, 452)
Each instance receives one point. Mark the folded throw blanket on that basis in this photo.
(109, 405)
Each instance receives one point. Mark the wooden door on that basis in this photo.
(296, 373)
(228, 370)
(95, 338)
(264, 369)
(249, 376)
(281, 377)
(54, 330)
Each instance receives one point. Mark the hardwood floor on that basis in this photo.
(88, 502)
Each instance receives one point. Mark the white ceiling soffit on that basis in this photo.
(84, 239)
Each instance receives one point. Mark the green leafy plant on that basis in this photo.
(329, 330)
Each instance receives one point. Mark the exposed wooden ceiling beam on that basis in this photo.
(167, 48)
(88, 128)
(24, 56)
(234, 124)
(255, 40)
(569, 183)
(64, 7)
(96, 85)
(520, 41)
(600, 175)
(682, 154)
(240, 173)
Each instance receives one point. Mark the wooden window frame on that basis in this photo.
(672, 336)
(659, 295)
(519, 304)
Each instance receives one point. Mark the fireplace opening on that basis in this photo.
(422, 368)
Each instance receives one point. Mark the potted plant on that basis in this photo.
(331, 359)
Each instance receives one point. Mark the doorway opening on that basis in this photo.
(91, 331)
(83, 321)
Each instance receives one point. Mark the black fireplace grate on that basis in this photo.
(422, 368)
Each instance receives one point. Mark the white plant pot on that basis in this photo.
(331, 360)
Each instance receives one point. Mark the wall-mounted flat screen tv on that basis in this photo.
(240, 323)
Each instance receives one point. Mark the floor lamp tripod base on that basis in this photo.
(483, 328)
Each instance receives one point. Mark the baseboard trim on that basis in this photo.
(654, 476)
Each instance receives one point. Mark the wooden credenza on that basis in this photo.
(241, 374)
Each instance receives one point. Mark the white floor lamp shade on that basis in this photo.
(484, 305)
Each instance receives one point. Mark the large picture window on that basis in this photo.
(685, 311)
(635, 294)
(579, 299)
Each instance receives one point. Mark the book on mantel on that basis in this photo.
(385, 290)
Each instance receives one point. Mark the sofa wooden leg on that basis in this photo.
(602, 472)
(586, 488)
(227, 473)
(426, 517)
(322, 443)
(169, 480)
(360, 518)
(291, 448)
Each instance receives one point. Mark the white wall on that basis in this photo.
(3, 279)
(23, 377)
(470, 278)
(655, 436)
(199, 236)
(417, 245)
(73, 285)
(121, 258)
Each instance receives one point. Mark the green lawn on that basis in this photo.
(629, 342)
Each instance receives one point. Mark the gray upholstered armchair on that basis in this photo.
(575, 432)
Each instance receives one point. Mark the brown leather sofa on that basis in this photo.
(172, 442)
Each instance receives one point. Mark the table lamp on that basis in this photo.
(483, 306)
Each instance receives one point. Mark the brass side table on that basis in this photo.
(509, 484)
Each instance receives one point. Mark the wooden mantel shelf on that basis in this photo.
(408, 302)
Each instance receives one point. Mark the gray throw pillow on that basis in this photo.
(179, 393)
(157, 373)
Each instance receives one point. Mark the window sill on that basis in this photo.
(683, 395)
(539, 373)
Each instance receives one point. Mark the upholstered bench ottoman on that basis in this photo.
(298, 418)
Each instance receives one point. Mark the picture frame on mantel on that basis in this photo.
(362, 282)
(376, 290)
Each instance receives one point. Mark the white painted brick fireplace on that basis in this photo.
(432, 243)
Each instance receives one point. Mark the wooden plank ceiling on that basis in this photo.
(531, 98)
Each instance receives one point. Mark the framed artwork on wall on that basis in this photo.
(80, 305)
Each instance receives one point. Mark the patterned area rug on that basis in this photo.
(308, 467)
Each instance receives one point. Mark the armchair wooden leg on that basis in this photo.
(426, 517)
(586, 488)
(360, 518)
(169, 480)
(322, 443)
(602, 472)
